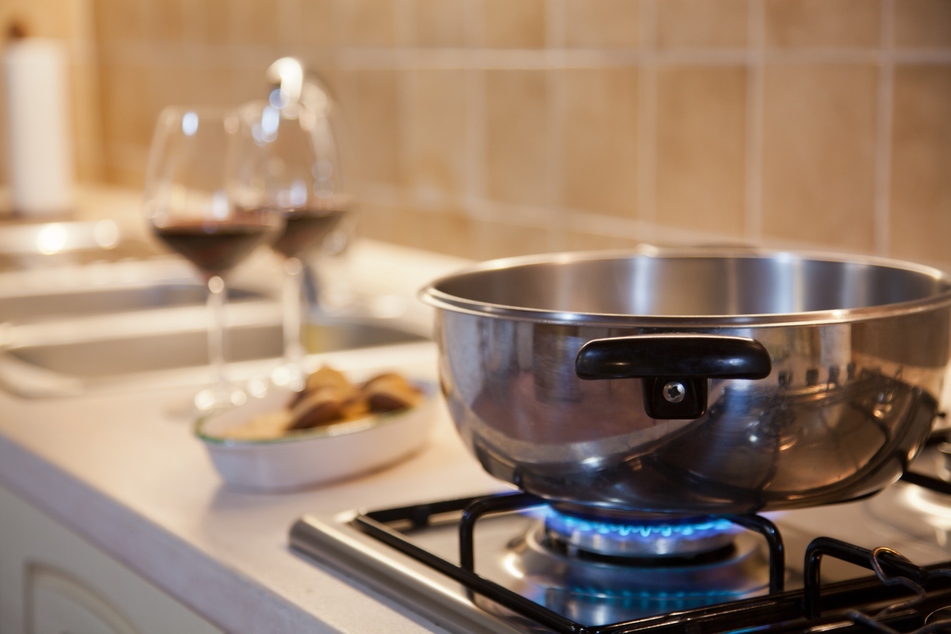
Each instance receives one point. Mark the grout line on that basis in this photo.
(532, 216)
(555, 24)
(475, 150)
(753, 218)
(288, 22)
(354, 58)
(557, 104)
(405, 26)
(647, 113)
(476, 125)
(923, 56)
(407, 92)
(883, 132)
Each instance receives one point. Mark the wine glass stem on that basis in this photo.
(293, 311)
(216, 330)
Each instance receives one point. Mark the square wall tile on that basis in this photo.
(317, 23)
(387, 223)
(517, 136)
(515, 23)
(437, 133)
(923, 24)
(586, 241)
(819, 154)
(167, 21)
(920, 215)
(370, 99)
(599, 131)
(214, 86)
(440, 23)
(254, 22)
(168, 85)
(701, 148)
(120, 20)
(370, 23)
(601, 23)
(126, 164)
(87, 118)
(823, 23)
(446, 231)
(215, 24)
(247, 82)
(503, 239)
(702, 23)
(127, 115)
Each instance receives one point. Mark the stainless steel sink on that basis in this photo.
(96, 359)
(37, 305)
(146, 324)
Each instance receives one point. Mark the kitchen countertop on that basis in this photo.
(118, 470)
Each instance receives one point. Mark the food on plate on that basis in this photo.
(391, 392)
(328, 398)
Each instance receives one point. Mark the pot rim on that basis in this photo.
(431, 295)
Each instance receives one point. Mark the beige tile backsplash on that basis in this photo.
(601, 24)
(598, 130)
(819, 129)
(495, 127)
(518, 136)
(920, 214)
(702, 24)
(834, 24)
(701, 153)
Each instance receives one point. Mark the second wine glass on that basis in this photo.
(205, 199)
(303, 181)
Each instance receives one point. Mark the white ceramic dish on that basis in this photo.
(316, 456)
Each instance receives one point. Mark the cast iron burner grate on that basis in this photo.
(900, 597)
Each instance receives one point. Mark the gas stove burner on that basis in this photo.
(522, 579)
(637, 536)
(632, 579)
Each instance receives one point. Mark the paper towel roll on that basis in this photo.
(39, 136)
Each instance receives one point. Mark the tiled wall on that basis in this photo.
(496, 127)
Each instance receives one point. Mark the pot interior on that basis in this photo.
(688, 285)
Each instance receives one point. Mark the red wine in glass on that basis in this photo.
(215, 246)
(306, 228)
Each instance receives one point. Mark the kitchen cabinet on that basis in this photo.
(52, 582)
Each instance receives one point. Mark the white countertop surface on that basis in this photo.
(115, 468)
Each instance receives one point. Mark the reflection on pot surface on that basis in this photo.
(814, 379)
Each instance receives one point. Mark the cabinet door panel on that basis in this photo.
(52, 582)
(58, 603)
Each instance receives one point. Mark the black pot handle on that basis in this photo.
(675, 368)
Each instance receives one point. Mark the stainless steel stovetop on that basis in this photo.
(904, 517)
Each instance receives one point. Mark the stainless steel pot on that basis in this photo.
(690, 381)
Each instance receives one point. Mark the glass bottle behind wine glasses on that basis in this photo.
(303, 181)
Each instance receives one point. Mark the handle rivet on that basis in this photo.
(674, 392)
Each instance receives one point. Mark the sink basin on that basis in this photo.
(162, 346)
(30, 306)
(81, 292)
(71, 330)
(99, 359)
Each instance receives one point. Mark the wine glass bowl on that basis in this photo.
(205, 199)
(303, 181)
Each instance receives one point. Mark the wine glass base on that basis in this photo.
(290, 375)
(217, 397)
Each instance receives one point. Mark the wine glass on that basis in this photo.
(205, 199)
(303, 181)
